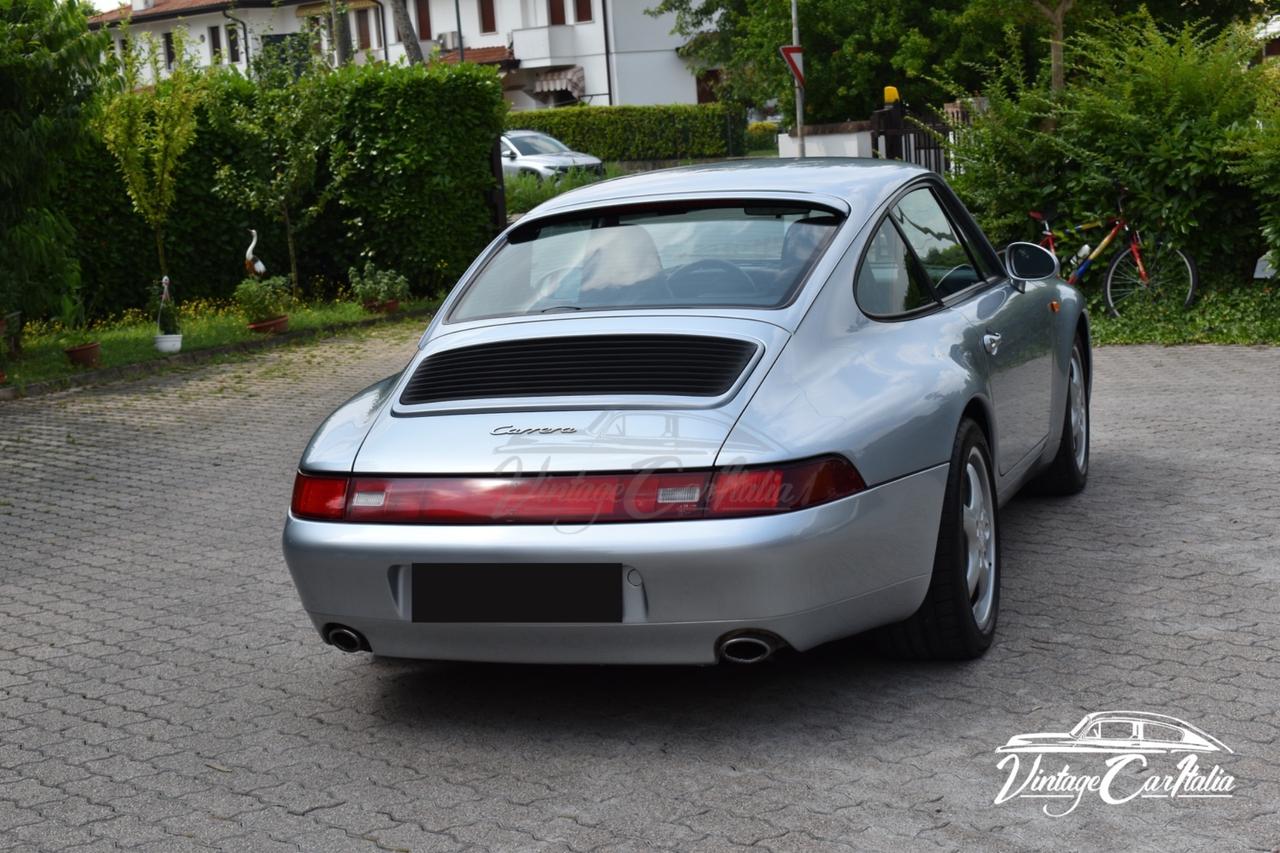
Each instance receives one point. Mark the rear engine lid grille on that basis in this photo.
(606, 365)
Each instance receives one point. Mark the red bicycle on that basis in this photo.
(1143, 270)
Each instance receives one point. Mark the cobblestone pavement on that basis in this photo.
(161, 688)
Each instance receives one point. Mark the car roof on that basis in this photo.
(853, 180)
(525, 133)
(1136, 715)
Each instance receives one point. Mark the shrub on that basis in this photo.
(1257, 148)
(525, 192)
(1148, 109)
(405, 189)
(669, 132)
(49, 66)
(410, 164)
(262, 299)
(762, 134)
(376, 285)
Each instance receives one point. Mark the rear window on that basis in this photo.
(748, 256)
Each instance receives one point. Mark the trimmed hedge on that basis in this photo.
(668, 132)
(405, 175)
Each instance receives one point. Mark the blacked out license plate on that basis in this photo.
(517, 592)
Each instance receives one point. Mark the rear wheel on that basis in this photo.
(1069, 470)
(1171, 274)
(957, 620)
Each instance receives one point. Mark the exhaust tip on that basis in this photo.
(346, 639)
(748, 648)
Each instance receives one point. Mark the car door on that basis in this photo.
(1016, 321)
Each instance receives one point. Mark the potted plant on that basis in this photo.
(168, 338)
(378, 290)
(263, 302)
(78, 344)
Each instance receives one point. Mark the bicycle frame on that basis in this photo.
(1049, 241)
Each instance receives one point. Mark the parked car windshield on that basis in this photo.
(536, 143)
(749, 255)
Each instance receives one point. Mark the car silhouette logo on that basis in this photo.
(1120, 732)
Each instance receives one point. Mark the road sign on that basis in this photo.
(794, 55)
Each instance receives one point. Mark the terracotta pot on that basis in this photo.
(391, 306)
(168, 343)
(85, 355)
(272, 326)
(3, 378)
(370, 305)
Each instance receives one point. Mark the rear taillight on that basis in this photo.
(320, 497)
(578, 498)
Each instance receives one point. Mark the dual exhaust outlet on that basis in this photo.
(744, 647)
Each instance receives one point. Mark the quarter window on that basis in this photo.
(929, 232)
(1156, 731)
(889, 280)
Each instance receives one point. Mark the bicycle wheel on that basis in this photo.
(1171, 274)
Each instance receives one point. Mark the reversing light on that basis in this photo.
(578, 498)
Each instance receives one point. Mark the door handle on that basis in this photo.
(991, 340)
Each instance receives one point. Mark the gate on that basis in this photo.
(918, 138)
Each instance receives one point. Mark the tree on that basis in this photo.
(148, 128)
(853, 48)
(408, 36)
(50, 66)
(280, 124)
(340, 32)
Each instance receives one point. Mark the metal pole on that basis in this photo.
(457, 12)
(795, 39)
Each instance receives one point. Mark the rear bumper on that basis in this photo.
(808, 577)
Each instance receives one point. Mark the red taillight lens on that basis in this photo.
(577, 498)
(782, 488)
(583, 498)
(319, 497)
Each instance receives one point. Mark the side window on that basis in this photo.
(927, 229)
(1117, 730)
(888, 281)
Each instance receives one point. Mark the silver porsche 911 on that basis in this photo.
(703, 414)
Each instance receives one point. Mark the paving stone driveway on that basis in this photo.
(161, 688)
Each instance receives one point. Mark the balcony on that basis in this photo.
(545, 47)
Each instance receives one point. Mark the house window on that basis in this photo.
(362, 29)
(555, 12)
(424, 20)
(215, 45)
(488, 18)
(124, 47)
(582, 11)
(233, 43)
(169, 56)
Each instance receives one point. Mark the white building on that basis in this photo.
(549, 52)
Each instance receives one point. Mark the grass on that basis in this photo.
(128, 339)
(525, 192)
(1248, 313)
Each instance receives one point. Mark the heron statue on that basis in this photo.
(252, 265)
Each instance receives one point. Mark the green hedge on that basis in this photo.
(404, 176)
(669, 132)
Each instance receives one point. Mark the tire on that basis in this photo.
(1172, 274)
(957, 621)
(1068, 473)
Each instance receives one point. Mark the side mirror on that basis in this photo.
(1029, 262)
(509, 154)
